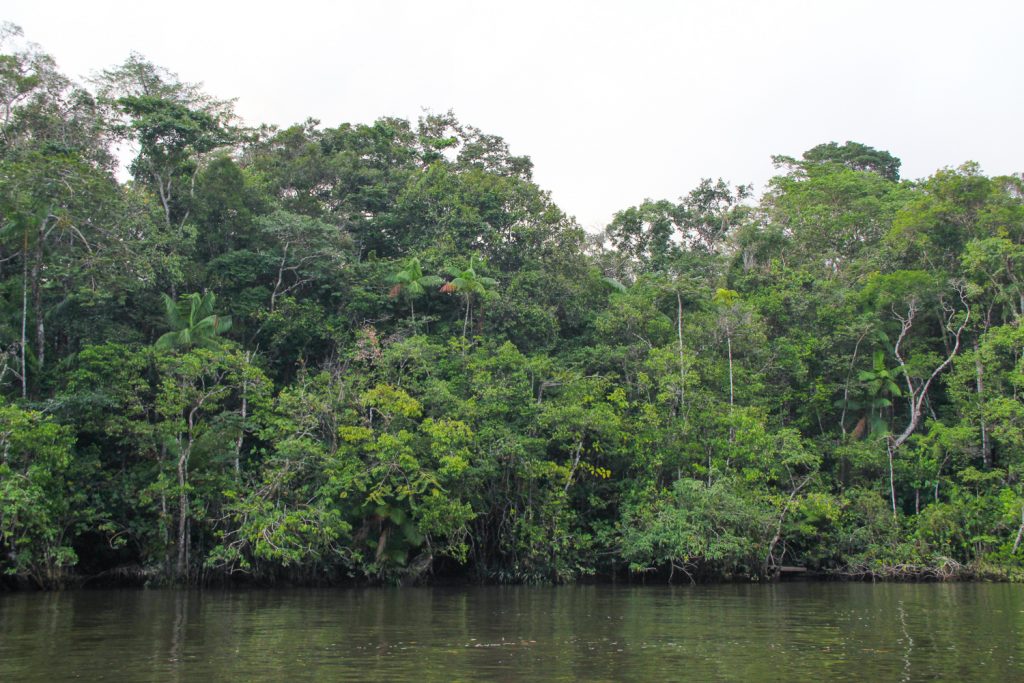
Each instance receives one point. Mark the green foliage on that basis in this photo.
(193, 322)
(879, 384)
(412, 283)
(837, 205)
(715, 387)
(721, 530)
(471, 286)
(38, 503)
(856, 156)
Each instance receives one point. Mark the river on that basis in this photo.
(788, 631)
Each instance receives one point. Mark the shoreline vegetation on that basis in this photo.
(947, 571)
(380, 354)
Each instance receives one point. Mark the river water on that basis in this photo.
(789, 631)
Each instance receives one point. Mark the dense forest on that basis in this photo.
(380, 353)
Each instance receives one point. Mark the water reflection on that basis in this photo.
(595, 633)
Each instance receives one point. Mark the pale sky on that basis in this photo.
(613, 101)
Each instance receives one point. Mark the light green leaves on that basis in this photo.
(193, 322)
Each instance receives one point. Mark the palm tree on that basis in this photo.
(729, 319)
(193, 322)
(413, 283)
(880, 383)
(468, 284)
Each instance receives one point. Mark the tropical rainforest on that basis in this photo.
(380, 353)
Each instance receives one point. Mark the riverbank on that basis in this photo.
(948, 571)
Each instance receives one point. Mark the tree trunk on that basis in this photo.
(986, 446)
(1020, 532)
(575, 464)
(846, 385)
(183, 455)
(241, 432)
(280, 277)
(165, 517)
(682, 365)
(165, 531)
(769, 563)
(37, 294)
(165, 197)
(892, 473)
(728, 341)
(24, 314)
(918, 395)
(709, 467)
(182, 514)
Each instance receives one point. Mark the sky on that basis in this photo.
(615, 102)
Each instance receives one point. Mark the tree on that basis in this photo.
(305, 250)
(834, 213)
(645, 234)
(193, 322)
(880, 384)
(709, 213)
(655, 233)
(412, 283)
(174, 124)
(731, 317)
(905, 293)
(856, 157)
(470, 286)
(948, 210)
(195, 389)
(54, 174)
(37, 502)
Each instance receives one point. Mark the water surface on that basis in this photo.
(799, 631)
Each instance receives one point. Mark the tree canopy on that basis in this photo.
(379, 352)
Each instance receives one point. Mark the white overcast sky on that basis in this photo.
(613, 101)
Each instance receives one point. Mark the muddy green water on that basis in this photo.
(792, 632)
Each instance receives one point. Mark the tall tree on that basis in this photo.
(174, 125)
(412, 283)
(54, 173)
(856, 156)
(470, 285)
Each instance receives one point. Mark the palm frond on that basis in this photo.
(172, 312)
(614, 284)
(206, 305)
(168, 340)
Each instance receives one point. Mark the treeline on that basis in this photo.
(382, 353)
